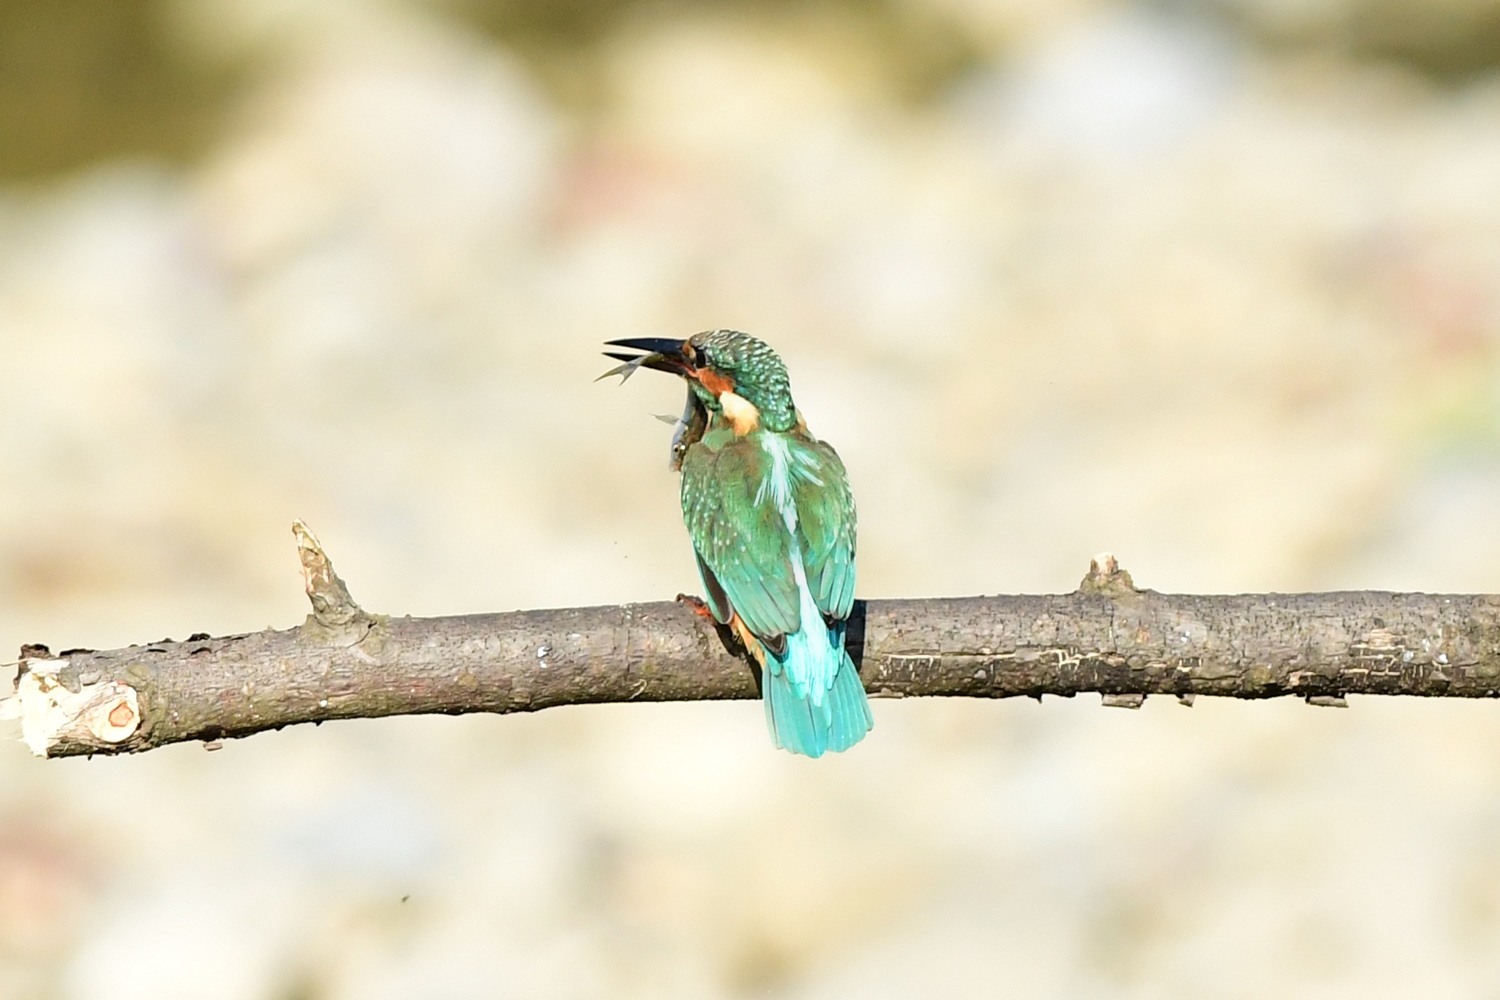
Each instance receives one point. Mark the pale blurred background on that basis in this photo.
(1214, 286)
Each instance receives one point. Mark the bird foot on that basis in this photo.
(698, 605)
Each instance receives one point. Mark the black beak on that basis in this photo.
(661, 354)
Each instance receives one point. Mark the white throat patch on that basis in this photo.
(740, 412)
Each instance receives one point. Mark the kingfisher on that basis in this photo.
(771, 516)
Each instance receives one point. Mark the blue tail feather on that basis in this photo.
(814, 699)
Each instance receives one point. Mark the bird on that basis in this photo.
(772, 521)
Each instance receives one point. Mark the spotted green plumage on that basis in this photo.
(741, 536)
(772, 520)
(771, 517)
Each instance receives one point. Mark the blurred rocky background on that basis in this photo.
(1215, 286)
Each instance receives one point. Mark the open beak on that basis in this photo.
(660, 353)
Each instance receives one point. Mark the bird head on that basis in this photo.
(734, 374)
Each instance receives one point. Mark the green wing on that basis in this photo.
(825, 526)
(744, 550)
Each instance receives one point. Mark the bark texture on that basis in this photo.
(1106, 637)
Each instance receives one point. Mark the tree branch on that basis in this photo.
(1106, 637)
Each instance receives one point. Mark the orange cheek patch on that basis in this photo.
(714, 382)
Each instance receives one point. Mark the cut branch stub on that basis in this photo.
(102, 714)
(333, 607)
(1106, 578)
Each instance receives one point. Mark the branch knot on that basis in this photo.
(1105, 578)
